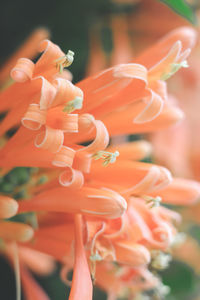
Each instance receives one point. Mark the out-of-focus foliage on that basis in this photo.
(182, 8)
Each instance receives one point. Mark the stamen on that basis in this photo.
(108, 157)
(94, 257)
(174, 68)
(65, 61)
(72, 105)
(160, 260)
(152, 202)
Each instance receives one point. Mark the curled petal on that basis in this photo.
(34, 117)
(23, 70)
(71, 178)
(64, 157)
(186, 35)
(8, 207)
(28, 49)
(121, 122)
(47, 92)
(160, 88)
(101, 140)
(46, 63)
(155, 229)
(82, 162)
(164, 66)
(132, 177)
(86, 122)
(152, 110)
(50, 139)
(113, 88)
(129, 71)
(66, 91)
(70, 123)
(164, 234)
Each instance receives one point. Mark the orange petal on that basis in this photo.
(71, 178)
(36, 261)
(82, 162)
(164, 66)
(54, 247)
(32, 289)
(23, 70)
(132, 177)
(46, 63)
(34, 117)
(122, 50)
(81, 281)
(113, 87)
(101, 140)
(154, 54)
(132, 150)
(66, 91)
(50, 139)
(47, 92)
(58, 119)
(122, 122)
(97, 59)
(152, 109)
(64, 157)
(8, 207)
(88, 201)
(132, 254)
(181, 192)
(15, 231)
(28, 49)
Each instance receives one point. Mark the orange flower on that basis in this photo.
(112, 214)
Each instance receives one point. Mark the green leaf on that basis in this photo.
(182, 8)
(181, 279)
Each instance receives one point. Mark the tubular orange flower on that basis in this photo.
(81, 283)
(112, 214)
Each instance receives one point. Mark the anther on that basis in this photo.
(160, 260)
(174, 68)
(108, 157)
(73, 105)
(65, 61)
(152, 201)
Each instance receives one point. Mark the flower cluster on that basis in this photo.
(99, 211)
